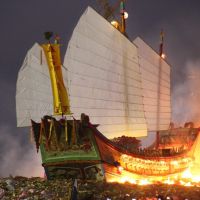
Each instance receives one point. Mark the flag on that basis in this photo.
(122, 7)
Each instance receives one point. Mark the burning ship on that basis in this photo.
(108, 87)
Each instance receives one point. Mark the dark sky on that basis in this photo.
(22, 23)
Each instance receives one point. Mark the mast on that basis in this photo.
(162, 55)
(155, 73)
(122, 10)
(124, 16)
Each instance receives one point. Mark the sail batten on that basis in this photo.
(81, 57)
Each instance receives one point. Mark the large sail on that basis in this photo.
(104, 77)
(156, 87)
(34, 97)
(34, 94)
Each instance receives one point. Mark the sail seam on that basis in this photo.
(104, 58)
(153, 64)
(110, 91)
(121, 83)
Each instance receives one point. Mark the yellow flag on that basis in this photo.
(60, 96)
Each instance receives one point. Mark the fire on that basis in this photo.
(188, 184)
(169, 181)
(127, 179)
(186, 174)
(186, 178)
(183, 170)
(144, 182)
(196, 179)
(120, 169)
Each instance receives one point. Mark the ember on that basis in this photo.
(186, 178)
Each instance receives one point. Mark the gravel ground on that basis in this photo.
(16, 188)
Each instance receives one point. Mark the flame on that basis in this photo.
(144, 182)
(169, 181)
(188, 184)
(175, 163)
(196, 179)
(152, 171)
(186, 174)
(186, 178)
(120, 169)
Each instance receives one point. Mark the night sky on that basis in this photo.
(22, 23)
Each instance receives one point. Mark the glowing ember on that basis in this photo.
(185, 178)
(120, 169)
(153, 166)
(144, 182)
(196, 179)
(178, 170)
(186, 174)
(169, 181)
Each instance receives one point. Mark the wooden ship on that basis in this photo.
(108, 87)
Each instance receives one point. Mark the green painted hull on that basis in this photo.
(62, 158)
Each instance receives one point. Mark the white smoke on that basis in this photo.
(186, 96)
(18, 159)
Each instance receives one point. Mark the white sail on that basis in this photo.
(104, 77)
(156, 87)
(124, 88)
(34, 95)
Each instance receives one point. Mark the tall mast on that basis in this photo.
(162, 55)
(122, 12)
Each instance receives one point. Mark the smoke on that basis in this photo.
(186, 96)
(18, 158)
(17, 155)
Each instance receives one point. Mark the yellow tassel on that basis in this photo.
(50, 129)
(66, 135)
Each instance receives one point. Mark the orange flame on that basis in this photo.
(186, 178)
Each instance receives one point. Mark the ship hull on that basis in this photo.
(93, 156)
